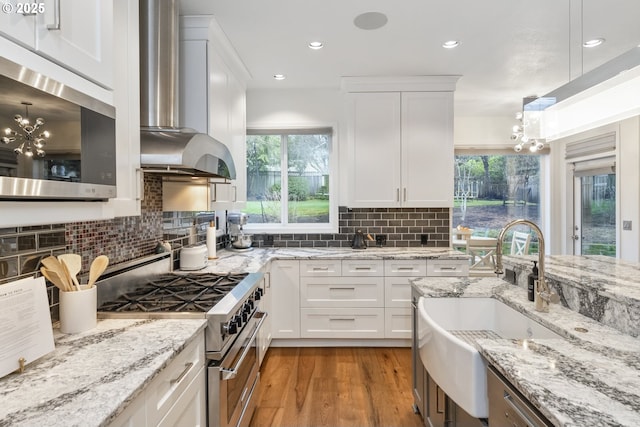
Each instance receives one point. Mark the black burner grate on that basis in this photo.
(177, 293)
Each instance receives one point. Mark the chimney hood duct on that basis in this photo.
(165, 147)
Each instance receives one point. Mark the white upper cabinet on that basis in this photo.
(427, 166)
(212, 98)
(400, 142)
(374, 142)
(76, 34)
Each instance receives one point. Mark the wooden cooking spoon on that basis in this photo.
(98, 266)
(54, 266)
(73, 262)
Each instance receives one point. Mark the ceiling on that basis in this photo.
(509, 49)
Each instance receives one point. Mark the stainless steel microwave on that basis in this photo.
(71, 153)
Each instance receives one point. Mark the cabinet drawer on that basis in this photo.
(397, 292)
(321, 268)
(405, 267)
(448, 267)
(355, 267)
(167, 387)
(342, 322)
(342, 292)
(397, 322)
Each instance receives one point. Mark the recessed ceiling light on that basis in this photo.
(450, 44)
(316, 45)
(370, 20)
(593, 42)
(279, 76)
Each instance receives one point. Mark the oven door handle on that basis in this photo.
(228, 374)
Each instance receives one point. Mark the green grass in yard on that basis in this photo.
(311, 207)
(481, 202)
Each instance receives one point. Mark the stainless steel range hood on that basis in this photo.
(165, 147)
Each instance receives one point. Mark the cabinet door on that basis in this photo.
(342, 292)
(194, 85)
(18, 28)
(427, 149)
(338, 323)
(190, 409)
(265, 335)
(78, 34)
(135, 415)
(374, 149)
(285, 299)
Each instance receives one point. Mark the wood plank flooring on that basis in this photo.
(336, 387)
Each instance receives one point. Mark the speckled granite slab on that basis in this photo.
(591, 378)
(251, 261)
(603, 288)
(90, 377)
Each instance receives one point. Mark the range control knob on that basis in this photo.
(238, 321)
(258, 294)
(231, 327)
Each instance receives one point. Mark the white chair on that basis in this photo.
(481, 253)
(520, 243)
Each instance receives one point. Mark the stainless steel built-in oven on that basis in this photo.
(233, 381)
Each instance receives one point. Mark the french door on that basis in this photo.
(594, 210)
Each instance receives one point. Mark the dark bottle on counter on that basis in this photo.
(531, 287)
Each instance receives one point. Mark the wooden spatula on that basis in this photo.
(73, 262)
(97, 268)
(53, 265)
(53, 278)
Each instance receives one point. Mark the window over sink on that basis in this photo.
(289, 183)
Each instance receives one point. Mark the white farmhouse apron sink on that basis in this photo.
(445, 327)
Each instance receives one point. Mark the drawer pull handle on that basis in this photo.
(187, 368)
(449, 268)
(334, 288)
(320, 268)
(517, 409)
(346, 319)
(405, 268)
(363, 268)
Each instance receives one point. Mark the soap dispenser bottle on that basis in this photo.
(531, 286)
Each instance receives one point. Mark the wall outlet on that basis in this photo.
(424, 239)
(626, 225)
(268, 240)
(381, 239)
(510, 276)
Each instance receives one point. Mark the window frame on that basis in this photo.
(544, 185)
(285, 226)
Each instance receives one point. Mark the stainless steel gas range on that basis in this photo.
(229, 304)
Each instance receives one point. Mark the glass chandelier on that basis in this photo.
(32, 142)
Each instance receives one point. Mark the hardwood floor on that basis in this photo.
(337, 387)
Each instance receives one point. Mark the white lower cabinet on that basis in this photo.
(346, 305)
(190, 410)
(397, 291)
(263, 340)
(339, 322)
(285, 298)
(353, 299)
(175, 397)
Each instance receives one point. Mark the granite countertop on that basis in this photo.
(253, 260)
(587, 378)
(90, 377)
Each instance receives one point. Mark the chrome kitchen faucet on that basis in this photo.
(543, 295)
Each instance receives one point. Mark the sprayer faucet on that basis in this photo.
(543, 295)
